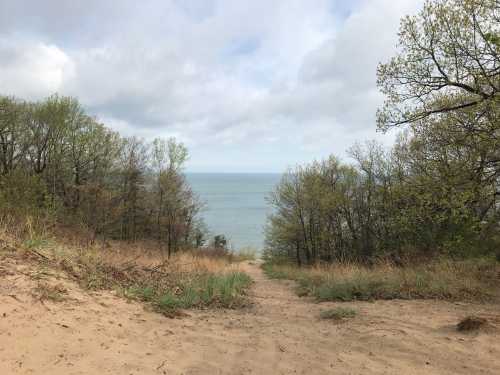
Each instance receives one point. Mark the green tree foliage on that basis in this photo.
(174, 197)
(412, 202)
(449, 59)
(436, 191)
(447, 73)
(56, 161)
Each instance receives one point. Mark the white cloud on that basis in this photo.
(252, 84)
(32, 69)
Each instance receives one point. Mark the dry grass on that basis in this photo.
(137, 271)
(48, 292)
(443, 279)
(185, 280)
(246, 253)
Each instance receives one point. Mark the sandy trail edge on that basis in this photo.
(280, 334)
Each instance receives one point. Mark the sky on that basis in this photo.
(248, 86)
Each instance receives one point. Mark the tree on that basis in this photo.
(419, 200)
(436, 192)
(175, 204)
(12, 134)
(449, 60)
(58, 162)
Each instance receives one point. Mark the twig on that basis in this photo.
(130, 263)
(161, 365)
(39, 254)
(15, 297)
(152, 270)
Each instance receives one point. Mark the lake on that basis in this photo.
(235, 204)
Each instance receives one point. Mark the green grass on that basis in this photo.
(282, 272)
(36, 243)
(224, 290)
(188, 279)
(338, 313)
(444, 279)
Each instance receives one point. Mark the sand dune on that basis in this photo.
(101, 333)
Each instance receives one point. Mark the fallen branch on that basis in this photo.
(39, 254)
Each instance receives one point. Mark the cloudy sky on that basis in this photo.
(247, 85)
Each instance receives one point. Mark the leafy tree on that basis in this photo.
(58, 162)
(449, 60)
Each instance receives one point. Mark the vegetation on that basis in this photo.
(338, 313)
(217, 249)
(136, 271)
(222, 290)
(54, 293)
(435, 193)
(63, 172)
(448, 65)
(440, 279)
(60, 165)
(246, 253)
(471, 323)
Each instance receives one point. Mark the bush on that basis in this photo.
(23, 195)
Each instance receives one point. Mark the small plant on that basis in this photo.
(338, 313)
(471, 323)
(47, 292)
(168, 302)
(36, 243)
(146, 294)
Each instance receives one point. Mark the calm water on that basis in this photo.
(235, 204)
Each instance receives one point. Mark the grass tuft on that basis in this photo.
(224, 290)
(338, 313)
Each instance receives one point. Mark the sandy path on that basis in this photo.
(280, 334)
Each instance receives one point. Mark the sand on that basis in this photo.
(101, 333)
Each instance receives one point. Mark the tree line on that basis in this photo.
(59, 163)
(436, 191)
